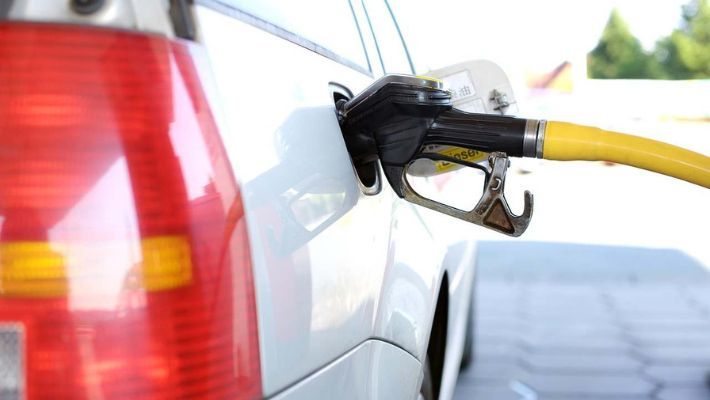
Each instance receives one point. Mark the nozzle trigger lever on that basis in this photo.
(492, 210)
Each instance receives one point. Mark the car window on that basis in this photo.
(327, 23)
(389, 41)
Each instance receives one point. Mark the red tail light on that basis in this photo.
(124, 263)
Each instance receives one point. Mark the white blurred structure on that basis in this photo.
(594, 203)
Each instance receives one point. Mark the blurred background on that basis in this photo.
(635, 66)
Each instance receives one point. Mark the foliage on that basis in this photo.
(618, 55)
(684, 54)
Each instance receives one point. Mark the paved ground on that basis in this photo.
(565, 321)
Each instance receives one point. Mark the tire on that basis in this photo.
(426, 392)
(467, 356)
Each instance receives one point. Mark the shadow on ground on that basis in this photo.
(565, 321)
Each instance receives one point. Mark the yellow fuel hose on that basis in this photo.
(566, 142)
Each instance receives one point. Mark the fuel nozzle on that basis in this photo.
(399, 116)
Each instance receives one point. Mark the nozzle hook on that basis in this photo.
(492, 210)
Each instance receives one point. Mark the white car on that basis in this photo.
(179, 216)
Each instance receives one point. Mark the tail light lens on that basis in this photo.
(124, 262)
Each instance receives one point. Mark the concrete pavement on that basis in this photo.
(561, 321)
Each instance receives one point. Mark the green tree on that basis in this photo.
(685, 54)
(619, 55)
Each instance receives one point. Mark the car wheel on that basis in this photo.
(426, 392)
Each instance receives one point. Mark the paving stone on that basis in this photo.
(586, 397)
(650, 299)
(699, 295)
(469, 391)
(591, 317)
(576, 386)
(581, 330)
(487, 372)
(648, 296)
(681, 393)
(505, 335)
(675, 320)
(670, 325)
(561, 307)
(677, 355)
(559, 301)
(557, 320)
(573, 345)
(498, 331)
(497, 311)
(678, 375)
(495, 341)
(590, 397)
(502, 349)
(563, 302)
(495, 359)
(552, 294)
(657, 291)
(495, 322)
(552, 301)
(681, 338)
(568, 288)
(688, 311)
(586, 364)
(498, 299)
(500, 292)
(628, 313)
(492, 348)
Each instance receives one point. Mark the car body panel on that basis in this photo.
(364, 373)
(365, 273)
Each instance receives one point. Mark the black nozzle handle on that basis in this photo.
(483, 132)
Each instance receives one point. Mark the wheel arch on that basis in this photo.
(436, 348)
